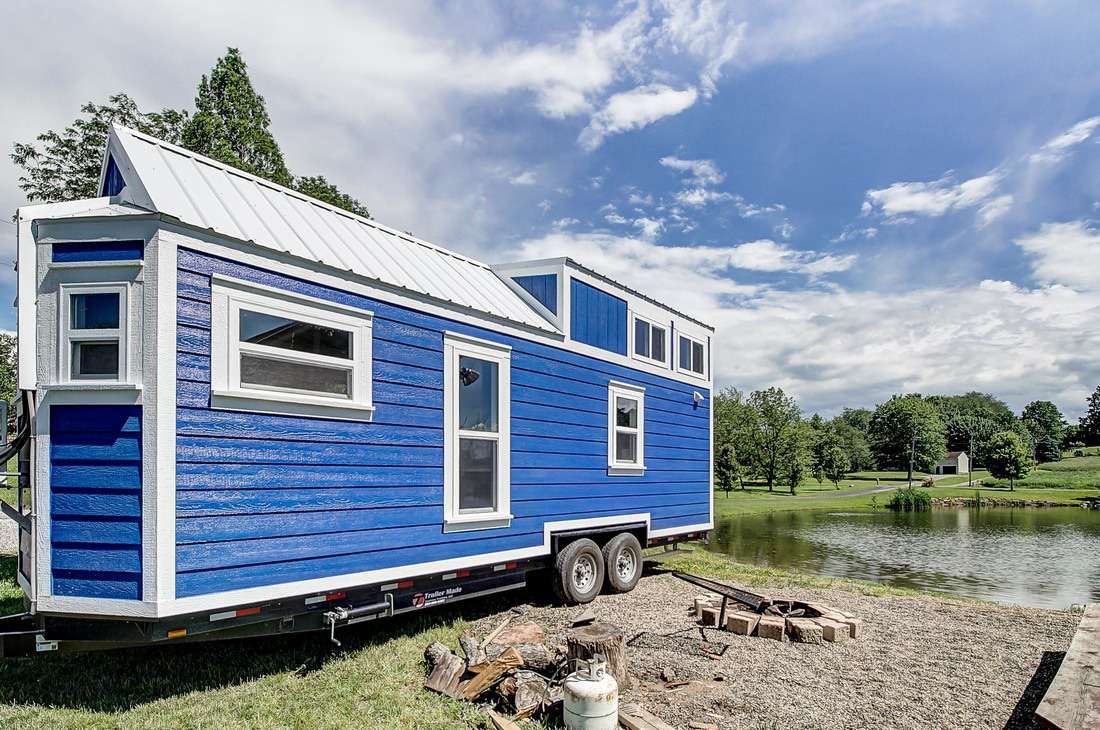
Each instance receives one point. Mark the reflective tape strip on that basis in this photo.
(458, 574)
(324, 598)
(235, 614)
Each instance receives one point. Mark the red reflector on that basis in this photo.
(248, 611)
(336, 596)
(509, 566)
(462, 574)
(405, 584)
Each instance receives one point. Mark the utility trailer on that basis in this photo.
(244, 412)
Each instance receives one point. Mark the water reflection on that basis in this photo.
(1035, 557)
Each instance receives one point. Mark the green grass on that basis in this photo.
(1073, 472)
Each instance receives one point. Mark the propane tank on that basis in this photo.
(591, 697)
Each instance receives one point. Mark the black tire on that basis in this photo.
(578, 572)
(622, 557)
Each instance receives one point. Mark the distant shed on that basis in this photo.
(956, 462)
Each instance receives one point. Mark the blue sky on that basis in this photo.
(865, 197)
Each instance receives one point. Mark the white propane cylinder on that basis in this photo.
(591, 698)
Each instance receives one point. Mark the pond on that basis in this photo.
(1040, 557)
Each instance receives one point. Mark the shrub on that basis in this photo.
(928, 482)
(1078, 452)
(910, 500)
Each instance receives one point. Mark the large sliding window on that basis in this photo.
(277, 352)
(625, 429)
(477, 387)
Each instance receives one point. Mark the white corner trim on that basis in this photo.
(159, 481)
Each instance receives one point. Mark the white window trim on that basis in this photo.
(454, 346)
(229, 296)
(66, 334)
(688, 371)
(634, 318)
(625, 468)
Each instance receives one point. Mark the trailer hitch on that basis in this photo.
(347, 615)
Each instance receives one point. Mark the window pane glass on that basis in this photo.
(95, 359)
(277, 374)
(93, 311)
(658, 344)
(626, 447)
(477, 465)
(626, 412)
(685, 353)
(289, 334)
(641, 338)
(477, 394)
(697, 357)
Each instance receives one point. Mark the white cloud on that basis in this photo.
(699, 172)
(1056, 149)
(649, 228)
(698, 197)
(768, 256)
(615, 219)
(785, 229)
(707, 31)
(527, 177)
(563, 223)
(545, 206)
(851, 233)
(634, 109)
(994, 209)
(931, 198)
(1064, 254)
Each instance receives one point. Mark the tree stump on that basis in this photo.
(586, 642)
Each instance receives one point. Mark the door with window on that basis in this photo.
(477, 391)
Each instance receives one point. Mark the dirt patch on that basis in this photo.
(920, 663)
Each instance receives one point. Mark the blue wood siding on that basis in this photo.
(98, 251)
(113, 182)
(596, 317)
(95, 501)
(543, 287)
(266, 499)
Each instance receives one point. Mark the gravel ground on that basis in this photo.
(921, 662)
(8, 536)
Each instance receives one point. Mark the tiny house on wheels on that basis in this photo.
(245, 411)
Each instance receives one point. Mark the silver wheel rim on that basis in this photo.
(625, 565)
(584, 573)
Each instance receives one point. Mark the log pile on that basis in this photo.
(514, 674)
(807, 623)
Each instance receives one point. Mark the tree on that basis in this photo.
(971, 419)
(1047, 427)
(1009, 457)
(794, 455)
(1090, 422)
(732, 420)
(774, 414)
(231, 123)
(902, 422)
(858, 418)
(834, 464)
(727, 471)
(320, 188)
(7, 366)
(854, 443)
(65, 165)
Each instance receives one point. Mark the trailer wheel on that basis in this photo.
(578, 572)
(623, 556)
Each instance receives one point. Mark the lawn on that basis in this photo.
(1072, 472)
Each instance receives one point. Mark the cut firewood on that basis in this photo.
(641, 719)
(586, 616)
(535, 656)
(501, 626)
(446, 675)
(532, 693)
(698, 725)
(499, 721)
(471, 648)
(435, 653)
(522, 633)
(493, 671)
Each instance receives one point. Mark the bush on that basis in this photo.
(910, 500)
(928, 482)
(1078, 452)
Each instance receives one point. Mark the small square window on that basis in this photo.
(692, 356)
(649, 341)
(93, 330)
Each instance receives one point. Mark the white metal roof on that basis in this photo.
(208, 194)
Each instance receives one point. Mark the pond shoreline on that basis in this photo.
(1008, 502)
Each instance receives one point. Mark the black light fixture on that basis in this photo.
(468, 376)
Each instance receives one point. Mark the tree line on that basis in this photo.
(765, 437)
(229, 123)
